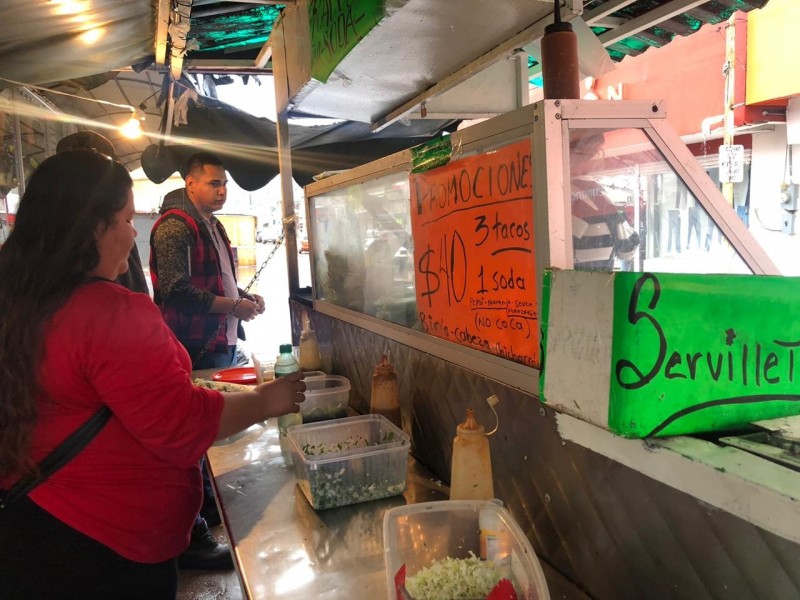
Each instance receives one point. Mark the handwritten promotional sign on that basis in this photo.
(693, 353)
(336, 26)
(475, 277)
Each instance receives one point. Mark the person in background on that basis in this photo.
(192, 268)
(194, 285)
(110, 522)
(694, 212)
(133, 278)
(204, 552)
(600, 231)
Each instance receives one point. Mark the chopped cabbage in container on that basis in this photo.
(454, 579)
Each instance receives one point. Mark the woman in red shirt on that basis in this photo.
(109, 523)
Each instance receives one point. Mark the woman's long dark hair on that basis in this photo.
(49, 253)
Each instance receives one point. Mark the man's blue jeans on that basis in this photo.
(213, 360)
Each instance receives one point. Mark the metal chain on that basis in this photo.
(238, 301)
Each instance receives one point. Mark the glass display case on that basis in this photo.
(363, 248)
(444, 245)
(632, 212)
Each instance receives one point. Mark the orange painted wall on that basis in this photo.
(687, 73)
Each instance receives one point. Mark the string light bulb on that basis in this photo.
(92, 35)
(132, 128)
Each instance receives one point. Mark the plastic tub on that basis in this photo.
(314, 374)
(327, 397)
(350, 460)
(416, 535)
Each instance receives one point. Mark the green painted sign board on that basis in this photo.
(336, 26)
(647, 354)
(698, 353)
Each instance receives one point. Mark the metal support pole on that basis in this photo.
(282, 92)
(728, 124)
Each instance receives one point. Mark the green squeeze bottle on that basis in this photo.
(286, 363)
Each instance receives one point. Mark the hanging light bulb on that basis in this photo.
(70, 7)
(132, 128)
(91, 35)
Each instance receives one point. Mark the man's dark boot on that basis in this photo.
(204, 552)
(210, 512)
(209, 509)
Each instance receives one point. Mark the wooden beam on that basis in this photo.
(647, 20)
(239, 66)
(162, 22)
(264, 55)
(606, 9)
(265, 2)
(609, 22)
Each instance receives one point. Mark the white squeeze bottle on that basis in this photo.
(471, 467)
(384, 400)
(310, 359)
(286, 363)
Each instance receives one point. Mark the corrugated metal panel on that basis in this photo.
(417, 44)
(610, 530)
(657, 32)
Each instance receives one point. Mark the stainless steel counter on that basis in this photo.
(284, 548)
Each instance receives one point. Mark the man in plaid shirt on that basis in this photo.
(192, 268)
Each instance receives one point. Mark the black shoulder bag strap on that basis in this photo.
(60, 456)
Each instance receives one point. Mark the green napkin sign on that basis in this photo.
(336, 26)
(695, 353)
(646, 354)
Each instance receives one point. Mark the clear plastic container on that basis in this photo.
(334, 467)
(416, 535)
(313, 374)
(264, 366)
(327, 397)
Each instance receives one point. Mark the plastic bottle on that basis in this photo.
(383, 399)
(310, 359)
(471, 467)
(494, 540)
(286, 363)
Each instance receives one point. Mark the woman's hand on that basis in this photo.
(271, 399)
(284, 394)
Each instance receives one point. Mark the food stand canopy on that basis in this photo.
(117, 52)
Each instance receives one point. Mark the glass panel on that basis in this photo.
(303, 256)
(473, 221)
(33, 142)
(631, 212)
(5, 219)
(363, 250)
(8, 164)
